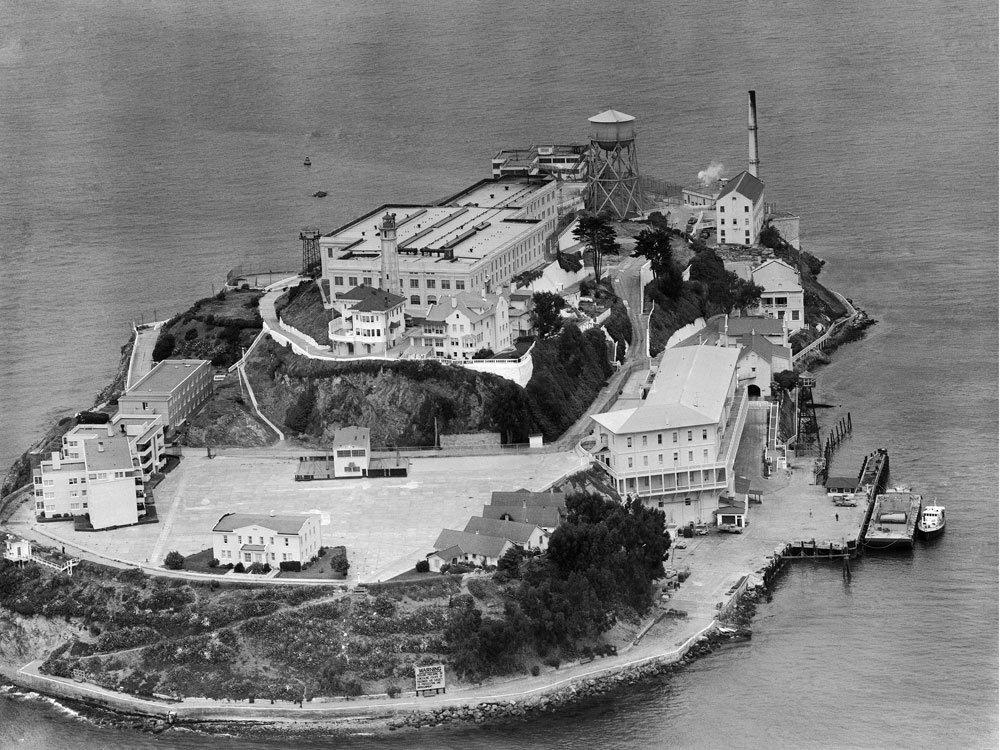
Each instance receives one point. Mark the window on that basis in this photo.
(246, 556)
(261, 540)
(767, 301)
(628, 442)
(676, 456)
(659, 438)
(352, 280)
(338, 280)
(722, 209)
(367, 281)
(415, 299)
(414, 283)
(431, 284)
(687, 501)
(690, 456)
(272, 540)
(72, 480)
(690, 435)
(225, 539)
(704, 454)
(272, 555)
(630, 462)
(459, 285)
(645, 460)
(644, 440)
(431, 299)
(795, 314)
(722, 222)
(445, 284)
(781, 300)
(659, 459)
(675, 436)
(239, 540)
(704, 434)
(286, 541)
(746, 209)
(145, 405)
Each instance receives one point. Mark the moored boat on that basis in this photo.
(931, 523)
(893, 522)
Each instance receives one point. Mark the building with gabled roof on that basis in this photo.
(467, 547)
(678, 446)
(459, 325)
(545, 517)
(369, 321)
(528, 499)
(739, 210)
(524, 535)
(250, 538)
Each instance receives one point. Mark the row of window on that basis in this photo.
(722, 209)
(779, 301)
(659, 437)
(227, 554)
(349, 452)
(239, 540)
(352, 281)
(659, 458)
(746, 222)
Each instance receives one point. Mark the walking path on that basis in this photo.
(141, 361)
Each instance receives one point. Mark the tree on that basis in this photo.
(164, 347)
(654, 244)
(423, 566)
(787, 379)
(173, 561)
(771, 237)
(339, 563)
(545, 313)
(597, 234)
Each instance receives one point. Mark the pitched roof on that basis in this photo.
(519, 533)
(611, 115)
(472, 544)
(765, 348)
(746, 185)
(841, 482)
(277, 524)
(371, 299)
(546, 517)
(530, 499)
(690, 388)
(473, 306)
(447, 554)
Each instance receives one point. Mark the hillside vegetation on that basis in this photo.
(302, 308)
(214, 328)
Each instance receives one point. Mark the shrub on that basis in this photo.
(257, 568)
(293, 566)
(164, 347)
(535, 670)
(422, 566)
(213, 563)
(239, 568)
(393, 691)
(191, 334)
(173, 561)
(339, 563)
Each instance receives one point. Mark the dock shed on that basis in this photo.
(734, 512)
(840, 485)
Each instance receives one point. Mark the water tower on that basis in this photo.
(311, 260)
(614, 166)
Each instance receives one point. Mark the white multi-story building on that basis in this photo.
(459, 325)
(272, 539)
(174, 389)
(567, 162)
(783, 297)
(678, 447)
(144, 433)
(16, 549)
(476, 240)
(370, 322)
(103, 481)
(351, 452)
(739, 210)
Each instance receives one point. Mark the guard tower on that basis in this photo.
(614, 166)
(311, 260)
(389, 279)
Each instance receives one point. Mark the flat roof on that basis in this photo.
(166, 376)
(430, 234)
(108, 453)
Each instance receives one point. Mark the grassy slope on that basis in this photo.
(302, 308)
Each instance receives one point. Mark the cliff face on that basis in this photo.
(23, 639)
(398, 401)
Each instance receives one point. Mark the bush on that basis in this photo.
(422, 566)
(164, 347)
(173, 561)
(393, 691)
(191, 334)
(535, 670)
(339, 563)
(213, 563)
(292, 566)
(239, 568)
(552, 661)
(257, 568)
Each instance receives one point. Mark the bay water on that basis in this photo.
(146, 149)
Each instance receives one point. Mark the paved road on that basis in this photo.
(142, 355)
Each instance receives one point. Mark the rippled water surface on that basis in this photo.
(146, 150)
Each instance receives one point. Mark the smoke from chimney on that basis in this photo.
(711, 173)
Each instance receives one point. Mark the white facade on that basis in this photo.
(351, 452)
(175, 389)
(102, 479)
(371, 322)
(245, 538)
(681, 440)
(739, 210)
(460, 325)
(16, 549)
(782, 297)
(476, 240)
(144, 433)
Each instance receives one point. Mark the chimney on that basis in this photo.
(111, 431)
(100, 446)
(271, 513)
(752, 127)
(454, 303)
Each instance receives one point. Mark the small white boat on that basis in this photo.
(307, 162)
(931, 523)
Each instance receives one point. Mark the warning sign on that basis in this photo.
(429, 679)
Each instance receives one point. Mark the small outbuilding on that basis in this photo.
(731, 512)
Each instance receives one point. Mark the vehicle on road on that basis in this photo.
(701, 529)
(680, 544)
(730, 528)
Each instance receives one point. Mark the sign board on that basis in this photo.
(429, 678)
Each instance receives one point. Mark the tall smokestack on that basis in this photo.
(752, 127)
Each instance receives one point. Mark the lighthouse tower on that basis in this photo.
(389, 279)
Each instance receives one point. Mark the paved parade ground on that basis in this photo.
(386, 524)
